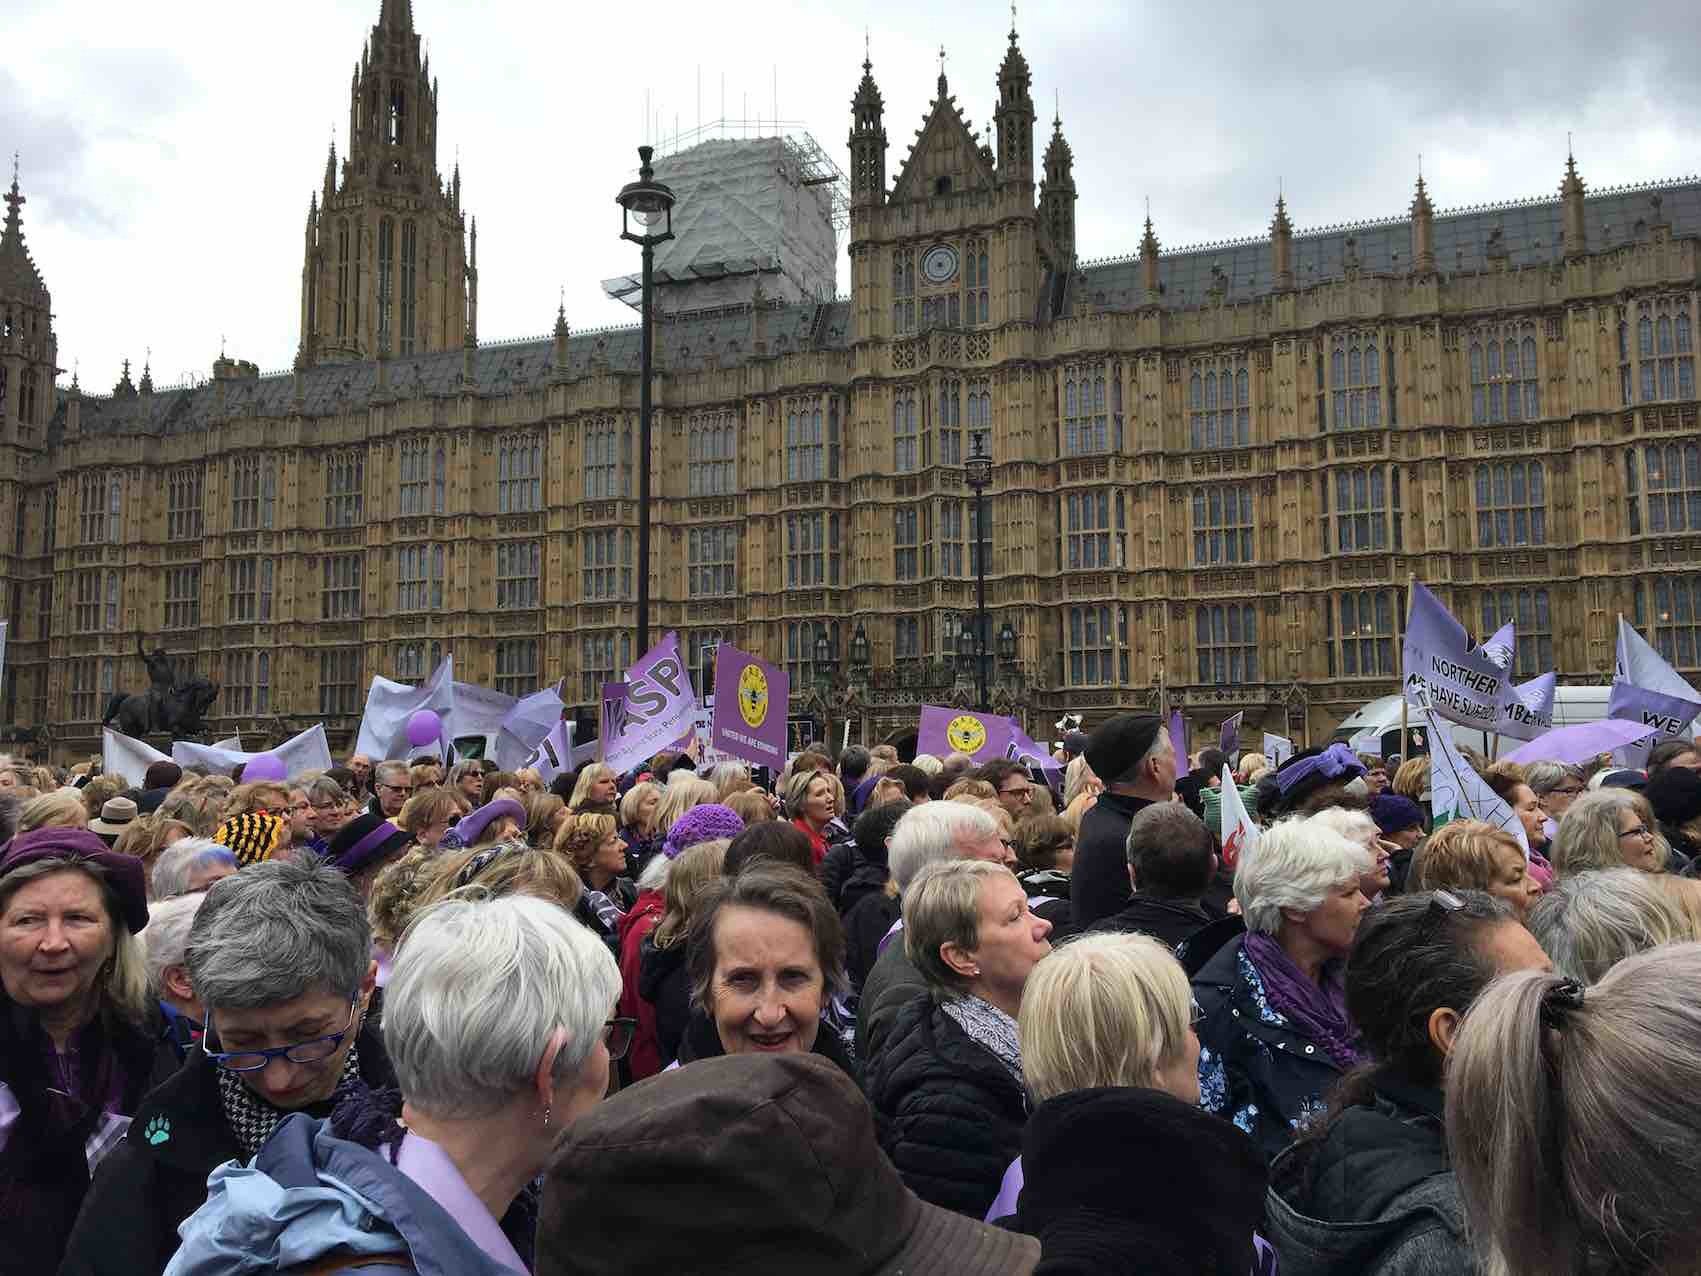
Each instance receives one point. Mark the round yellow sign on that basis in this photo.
(753, 695)
(966, 734)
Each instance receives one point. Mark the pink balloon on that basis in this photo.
(424, 727)
(264, 766)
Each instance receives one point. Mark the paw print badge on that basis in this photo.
(157, 1131)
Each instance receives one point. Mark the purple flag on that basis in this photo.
(653, 707)
(750, 708)
(1580, 742)
(1024, 750)
(1528, 711)
(1229, 741)
(1178, 740)
(1464, 684)
(983, 736)
(1648, 691)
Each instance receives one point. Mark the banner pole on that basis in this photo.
(1405, 748)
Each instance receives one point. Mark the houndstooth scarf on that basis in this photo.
(252, 1119)
(988, 1026)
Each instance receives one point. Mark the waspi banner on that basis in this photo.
(1443, 672)
(749, 719)
(651, 709)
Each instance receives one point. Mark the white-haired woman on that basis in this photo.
(1357, 826)
(497, 1018)
(1275, 1036)
(190, 865)
(166, 943)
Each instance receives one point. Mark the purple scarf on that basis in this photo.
(1319, 1013)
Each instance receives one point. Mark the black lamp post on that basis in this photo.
(648, 204)
(978, 471)
(859, 648)
(1007, 644)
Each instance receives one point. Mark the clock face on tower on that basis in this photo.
(939, 265)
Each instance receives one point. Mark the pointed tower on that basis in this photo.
(1423, 231)
(28, 348)
(1571, 192)
(1281, 246)
(867, 141)
(562, 335)
(384, 266)
(1015, 116)
(1149, 262)
(1057, 197)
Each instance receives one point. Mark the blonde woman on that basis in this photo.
(638, 822)
(663, 985)
(597, 788)
(59, 809)
(1606, 829)
(683, 792)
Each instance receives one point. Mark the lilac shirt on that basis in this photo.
(429, 1166)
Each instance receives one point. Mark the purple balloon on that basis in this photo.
(264, 766)
(424, 727)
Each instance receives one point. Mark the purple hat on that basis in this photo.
(1394, 812)
(362, 840)
(122, 872)
(470, 827)
(703, 823)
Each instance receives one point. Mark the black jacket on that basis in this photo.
(703, 1041)
(157, 1176)
(951, 1115)
(866, 878)
(44, 1174)
(1266, 1077)
(866, 924)
(1169, 920)
(1133, 1180)
(1374, 1195)
(893, 982)
(1048, 897)
(1100, 876)
(836, 868)
(663, 983)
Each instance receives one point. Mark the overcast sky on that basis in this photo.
(168, 153)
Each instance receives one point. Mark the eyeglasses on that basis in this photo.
(1641, 830)
(301, 1052)
(397, 788)
(1024, 792)
(1565, 792)
(617, 1036)
(1442, 905)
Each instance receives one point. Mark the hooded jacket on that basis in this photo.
(663, 983)
(951, 1115)
(1374, 1196)
(310, 1194)
(157, 1176)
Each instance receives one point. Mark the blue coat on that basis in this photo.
(309, 1193)
(1255, 1067)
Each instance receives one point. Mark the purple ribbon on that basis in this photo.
(1335, 761)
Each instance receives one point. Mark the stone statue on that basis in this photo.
(165, 706)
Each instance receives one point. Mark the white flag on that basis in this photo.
(1240, 834)
(526, 725)
(1278, 749)
(553, 754)
(389, 705)
(309, 751)
(125, 756)
(1456, 791)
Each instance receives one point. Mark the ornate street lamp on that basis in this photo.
(859, 648)
(978, 472)
(646, 205)
(1007, 644)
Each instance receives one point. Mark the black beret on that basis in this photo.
(1117, 744)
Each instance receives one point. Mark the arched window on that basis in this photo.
(1504, 385)
(1511, 500)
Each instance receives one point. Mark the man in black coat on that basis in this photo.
(1132, 754)
(1171, 862)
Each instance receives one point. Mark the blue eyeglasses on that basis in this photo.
(301, 1052)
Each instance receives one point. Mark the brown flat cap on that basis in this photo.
(759, 1164)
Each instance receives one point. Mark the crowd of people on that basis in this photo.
(867, 1016)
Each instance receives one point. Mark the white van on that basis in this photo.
(1375, 728)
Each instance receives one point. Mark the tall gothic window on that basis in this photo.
(1665, 364)
(518, 564)
(1529, 610)
(607, 563)
(712, 454)
(1355, 382)
(516, 666)
(800, 648)
(1219, 403)
(253, 493)
(1092, 644)
(248, 590)
(1227, 643)
(182, 597)
(711, 563)
(1511, 505)
(340, 597)
(950, 423)
(812, 550)
(903, 291)
(1367, 513)
(519, 474)
(340, 685)
(416, 475)
(912, 543)
(410, 259)
(386, 278)
(1674, 628)
(100, 508)
(345, 489)
(805, 443)
(599, 663)
(419, 578)
(1363, 647)
(1673, 473)
(247, 686)
(342, 277)
(1094, 537)
(1086, 412)
(976, 276)
(183, 504)
(1504, 384)
(980, 417)
(602, 460)
(1222, 524)
(906, 435)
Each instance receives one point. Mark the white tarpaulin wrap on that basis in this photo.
(309, 751)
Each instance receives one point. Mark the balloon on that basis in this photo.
(424, 727)
(264, 766)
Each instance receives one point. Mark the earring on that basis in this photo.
(975, 972)
(546, 1116)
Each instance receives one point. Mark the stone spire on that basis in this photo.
(867, 140)
(18, 274)
(1015, 114)
(1149, 260)
(1423, 231)
(147, 383)
(1571, 192)
(1057, 197)
(1281, 246)
(561, 333)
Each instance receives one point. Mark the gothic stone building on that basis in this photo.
(1213, 470)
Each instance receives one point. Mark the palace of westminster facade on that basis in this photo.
(1212, 471)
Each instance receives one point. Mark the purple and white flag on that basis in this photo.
(983, 736)
(749, 719)
(1029, 754)
(1443, 671)
(1229, 740)
(532, 720)
(554, 752)
(1499, 649)
(384, 726)
(1528, 712)
(1178, 741)
(1647, 690)
(652, 708)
